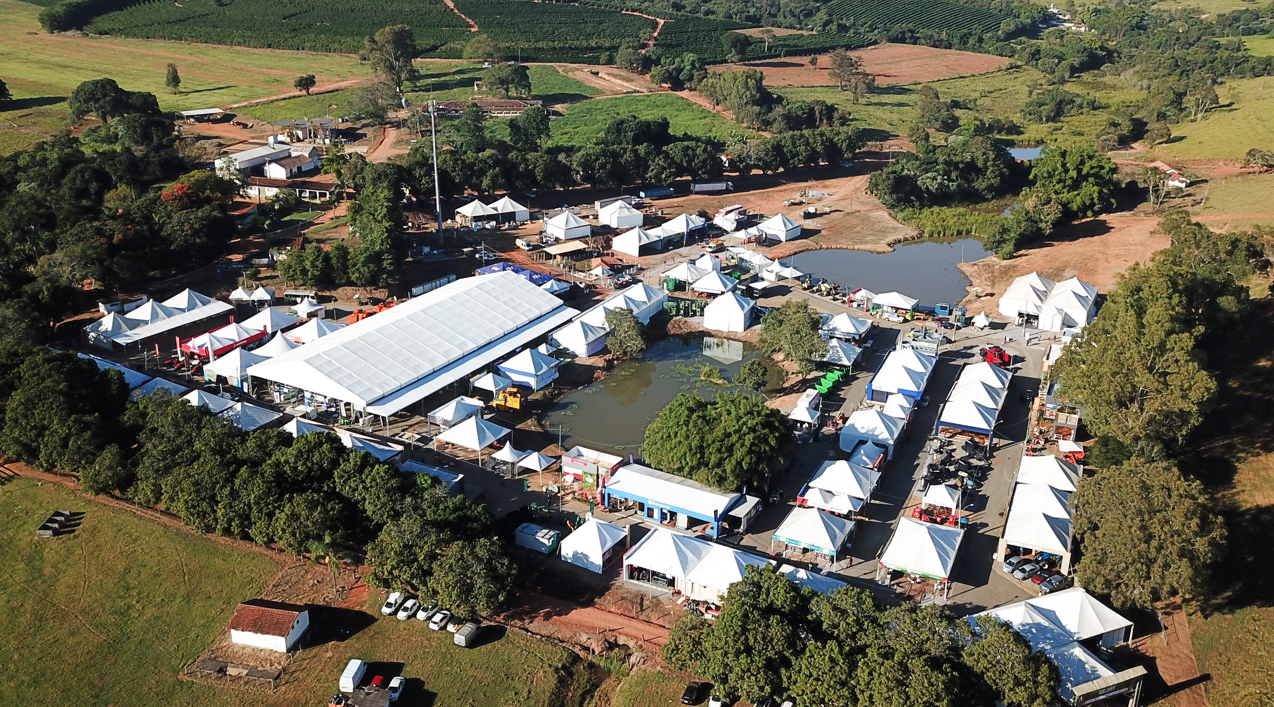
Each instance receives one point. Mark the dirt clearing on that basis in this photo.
(1096, 251)
(889, 63)
(608, 79)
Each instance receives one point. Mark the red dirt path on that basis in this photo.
(889, 63)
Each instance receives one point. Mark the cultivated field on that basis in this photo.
(890, 63)
(938, 15)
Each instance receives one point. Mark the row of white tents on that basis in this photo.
(976, 399)
(1039, 513)
(894, 389)
(1057, 305)
(631, 242)
(586, 334)
(504, 209)
(153, 319)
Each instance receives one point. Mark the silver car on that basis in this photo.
(1026, 570)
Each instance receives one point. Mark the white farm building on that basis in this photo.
(272, 625)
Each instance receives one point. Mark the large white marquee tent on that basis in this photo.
(729, 312)
(620, 214)
(924, 549)
(593, 544)
(780, 228)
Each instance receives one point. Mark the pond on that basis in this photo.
(612, 414)
(1026, 153)
(925, 270)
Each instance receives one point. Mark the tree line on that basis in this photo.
(844, 649)
(308, 495)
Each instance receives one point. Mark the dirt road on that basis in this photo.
(891, 64)
(322, 88)
(473, 26)
(387, 148)
(557, 618)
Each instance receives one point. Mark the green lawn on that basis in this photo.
(648, 688)
(1228, 132)
(584, 121)
(1260, 46)
(1240, 194)
(335, 104)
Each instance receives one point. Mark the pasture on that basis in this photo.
(891, 64)
(581, 122)
(1239, 123)
(1235, 201)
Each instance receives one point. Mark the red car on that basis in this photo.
(378, 681)
(1039, 577)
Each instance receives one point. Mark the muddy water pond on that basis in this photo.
(925, 270)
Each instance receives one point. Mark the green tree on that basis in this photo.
(1158, 133)
(823, 675)
(305, 519)
(101, 97)
(507, 79)
(403, 554)
(391, 52)
(752, 375)
(736, 45)
(626, 337)
(5, 95)
(474, 577)
(793, 330)
(172, 79)
(529, 130)
(1146, 532)
(630, 58)
(845, 67)
(471, 130)
(305, 83)
(735, 440)
(483, 48)
(1016, 674)
(1080, 178)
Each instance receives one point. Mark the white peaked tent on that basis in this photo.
(475, 211)
(382, 452)
(280, 344)
(1026, 295)
(455, 412)
(667, 553)
(968, 415)
(187, 300)
(103, 331)
(708, 262)
(926, 549)
(648, 300)
(208, 344)
(157, 384)
(895, 300)
(840, 353)
(871, 426)
(150, 313)
(306, 307)
(619, 214)
(271, 320)
(816, 530)
(904, 371)
(780, 228)
(493, 382)
(841, 478)
(233, 366)
(240, 295)
(566, 226)
(807, 415)
(630, 243)
(714, 283)
(580, 338)
(530, 368)
(555, 286)
(248, 417)
(508, 455)
(898, 406)
(845, 326)
(215, 403)
(263, 295)
(729, 312)
(1070, 304)
(686, 272)
(805, 578)
(536, 461)
(474, 433)
(720, 568)
(312, 330)
(592, 544)
(1049, 470)
(680, 226)
(942, 496)
(512, 209)
(778, 271)
(297, 427)
(756, 260)
(981, 321)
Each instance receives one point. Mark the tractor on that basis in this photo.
(995, 356)
(508, 399)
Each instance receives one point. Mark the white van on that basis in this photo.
(353, 675)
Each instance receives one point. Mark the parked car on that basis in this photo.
(467, 636)
(440, 619)
(767, 702)
(1055, 583)
(378, 681)
(1041, 576)
(693, 693)
(454, 623)
(1025, 570)
(427, 610)
(716, 700)
(394, 601)
(485, 256)
(408, 610)
(396, 688)
(1010, 565)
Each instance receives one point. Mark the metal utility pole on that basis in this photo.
(433, 129)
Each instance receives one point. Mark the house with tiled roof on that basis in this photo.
(272, 625)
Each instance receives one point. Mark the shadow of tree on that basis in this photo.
(35, 102)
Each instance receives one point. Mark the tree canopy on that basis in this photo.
(391, 52)
(1081, 178)
(733, 441)
(626, 337)
(793, 330)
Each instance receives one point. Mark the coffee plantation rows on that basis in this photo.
(937, 15)
(542, 31)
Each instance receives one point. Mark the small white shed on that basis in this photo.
(272, 625)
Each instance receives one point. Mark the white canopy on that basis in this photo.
(895, 300)
(150, 313)
(1049, 470)
(921, 548)
(306, 307)
(714, 283)
(904, 371)
(555, 287)
(215, 403)
(263, 294)
(668, 553)
(942, 496)
(508, 455)
(248, 417)
(536, 461)
(580, 338)
(981, 321)
(233, 365)
(814, 530)
(313, 330)
(686, 272)
(846, 326)
(187, 300)
(871, 426)
(729, 312)
(1069, 304)
(630, 243)
(297, 427)
(845, 479)
(757, 260)
(103, 331)
(156, 384)
(619, 214)
(801, 413)
(778, 271)
(475, 210)
(1026, 295)
(840, 353)
(270, 319)
(968, 415)
(708, 262)
(493, 382)
(474, 433)
(379, 450)
(240, 295)
(805, 578)
(208, 344)
(530, 367)
(505, 205)
(567, 225)
(280, 344)
(723, 566)
(588, 545)
(780, 228)
(683, 224)
(458, 410)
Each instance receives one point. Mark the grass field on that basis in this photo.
(1240, 194)
(1260, 46)
(582, 122)
(109, 614)
(1241, 123)
(647, 688)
